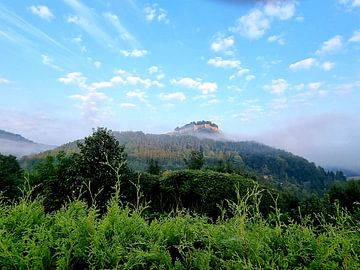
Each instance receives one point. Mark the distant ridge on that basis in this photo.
(13, 137)
(17, 145)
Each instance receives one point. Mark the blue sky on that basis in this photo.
(286, 73)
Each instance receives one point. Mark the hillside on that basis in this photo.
(276, 167)
(17, 145)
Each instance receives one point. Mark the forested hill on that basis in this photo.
(17, 145)
(275, 166)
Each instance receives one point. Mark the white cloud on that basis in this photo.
(94, 105)
(278, 86)
(223, 44)
(140, 95)
(134, 53)
(42, 11)
(327, 66)
(219, 62)
(282, 10)
(155, 13)
(252, 25)
(355, 37)
(303, 64)
(147, 83)
(314, 85)
(128, 105)
(241, 72)
(97, 64)
(89, 20)
(331, 45)
(123, 32)
(250, 78)
(205, 87)
(76, 78)
(4, 81)
(279, 39)
(48, 61)
(179, 96)
(153, 69)
(350, 3)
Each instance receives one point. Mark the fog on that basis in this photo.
(330, 140)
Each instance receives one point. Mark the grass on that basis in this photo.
(77, 237)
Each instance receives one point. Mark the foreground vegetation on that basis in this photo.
(89, 210)
(78, 237)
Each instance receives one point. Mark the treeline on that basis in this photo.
(276, 167)
(101, 164)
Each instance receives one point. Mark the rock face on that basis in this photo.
(199, 129)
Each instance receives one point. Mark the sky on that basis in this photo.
(285, 73)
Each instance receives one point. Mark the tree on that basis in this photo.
(195, 160)
(154, 167)
(10, 176)
(102, 160)
(57, 178)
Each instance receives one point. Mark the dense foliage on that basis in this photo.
(77, 237)
(10, 176)
(88, 210)
(279, 168)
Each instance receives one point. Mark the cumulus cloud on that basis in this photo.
(331, 45)
(219, 62)
(94, 105)
(356, 36)
(153, 69)
(42, 11)
(282, 10)
(140, 95)
(223, 44)
(254, 24)
(175, 96)
(279, 39)
(204, 87)
(134, 53)
(278, 86)
(154, 13)
(327, 66)
(76, 78)
(303, 64)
